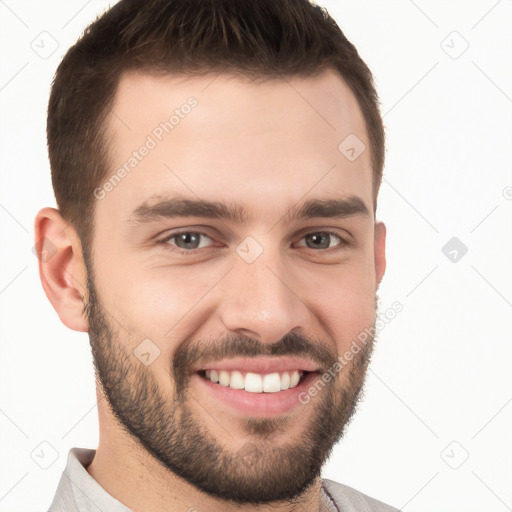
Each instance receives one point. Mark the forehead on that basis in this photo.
(223, 137)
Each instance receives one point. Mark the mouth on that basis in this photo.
(257, 387)
(255, 382)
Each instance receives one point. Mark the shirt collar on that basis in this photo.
(78, 487)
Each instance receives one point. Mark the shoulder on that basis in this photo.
(349, 500)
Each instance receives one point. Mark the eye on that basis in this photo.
(188, 240)
(321, 240)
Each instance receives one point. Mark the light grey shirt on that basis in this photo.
(79, 492)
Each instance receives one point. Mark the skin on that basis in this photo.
(267, 147)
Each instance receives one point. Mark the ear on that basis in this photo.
(61, 267)
(380, 251)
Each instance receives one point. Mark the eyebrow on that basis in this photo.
(174, 207)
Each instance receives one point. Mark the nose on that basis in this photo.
(261, 300)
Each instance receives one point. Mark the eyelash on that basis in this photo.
(343, 244)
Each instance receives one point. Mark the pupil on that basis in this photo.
(320, 240)
(188, 240)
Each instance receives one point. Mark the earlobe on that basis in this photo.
(380, 251)
(61, 267)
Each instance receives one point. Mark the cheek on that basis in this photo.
(344, 304)
(161, 303)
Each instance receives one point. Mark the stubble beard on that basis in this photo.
(260, 470)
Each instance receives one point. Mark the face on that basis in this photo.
(234, 262)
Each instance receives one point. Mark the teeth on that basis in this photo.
(294, 379)
(224, 378)
(254, 382)
(237, 380)
(271, 383)
(285, 381)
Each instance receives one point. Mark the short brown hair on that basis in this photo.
(259, 39)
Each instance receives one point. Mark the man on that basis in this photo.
(216, 165)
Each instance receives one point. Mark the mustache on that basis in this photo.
(292, 344)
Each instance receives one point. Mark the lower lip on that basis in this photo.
(261, 405)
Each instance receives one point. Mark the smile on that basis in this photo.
(255, 382)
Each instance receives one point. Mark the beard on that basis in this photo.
(260, 470)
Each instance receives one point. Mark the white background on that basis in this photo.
(440, 388)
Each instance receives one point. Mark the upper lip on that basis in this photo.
(260, 364)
